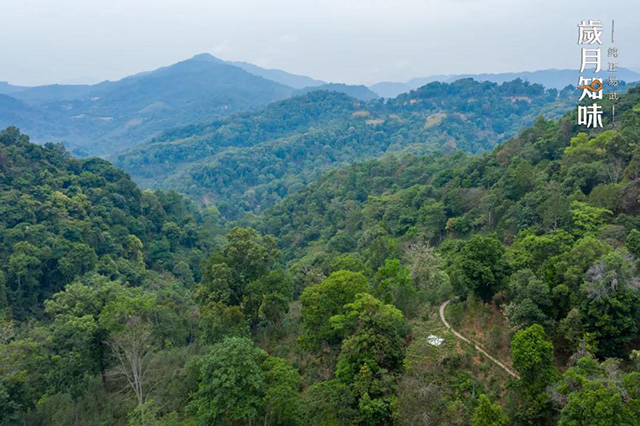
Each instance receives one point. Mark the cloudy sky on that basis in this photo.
(352, 41)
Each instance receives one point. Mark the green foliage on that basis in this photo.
(533, 358)
(488, 414)
(372, 355)
(375, 339)
(609, 301)
(282, 399)
(633, 242)
(481, 267)
(254, 160)
(586, 218)
(239, 382)
(598, 394)
(119, 305)
(63, 218)
(322, 301)
(393, 284)
(229, 271)
(529, 300)
(329, 403)
(231, 383)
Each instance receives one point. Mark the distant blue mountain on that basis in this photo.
(279, 76)
(6, 88)
(103, 118)
(113, 115)
(552, 78)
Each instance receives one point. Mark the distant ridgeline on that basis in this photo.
(542, 180)
(111, 116)
(247, 162)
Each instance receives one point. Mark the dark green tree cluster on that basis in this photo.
(61, 218)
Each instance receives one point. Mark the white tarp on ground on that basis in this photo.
(434, 340)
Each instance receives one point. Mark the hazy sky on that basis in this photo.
(365, 41)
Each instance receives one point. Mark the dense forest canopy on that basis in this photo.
(248, 162)
(63, 218)
(122, 306)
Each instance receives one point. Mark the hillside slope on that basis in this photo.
(551, 78)
(246, 163)
(61, 218)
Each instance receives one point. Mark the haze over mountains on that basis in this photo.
(552, 78)
(112, 116)
(247, 162)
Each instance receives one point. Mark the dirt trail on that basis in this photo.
(474, 344)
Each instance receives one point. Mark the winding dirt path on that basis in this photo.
(474, 344)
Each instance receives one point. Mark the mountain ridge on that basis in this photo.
(551, 78)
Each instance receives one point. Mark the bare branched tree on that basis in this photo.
(134, 352)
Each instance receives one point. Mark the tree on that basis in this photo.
(134, 351)
(220, 321)
(587, 219)
(282, 403)
(79, 260)
(529, 299)
(322, 301)
(75, 312)
(609, 300)
(23, 276)
(481, 267)
(598, 406)
(633, 242)
(430, 281)
(330, 403)
(127, 318)
(245, 258)
(269, 297)
(393, 284)
(554, 211)
(533, 358)
(598, 395)
(372, 355)
(74, 361)
(488, 414)
(231, 384)
(375, 335)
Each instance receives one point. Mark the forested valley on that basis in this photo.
(126, 306)
(248, 162)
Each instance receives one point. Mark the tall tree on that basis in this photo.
(231, 384)
(481, 267)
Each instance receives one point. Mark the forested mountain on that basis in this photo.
(544, 229)
(122, 306)
(327, 315)
(247, 162)
(6, 88)
(552, 78)
(103, 118)
(111, 116)
(361, 93)
(62, 218)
